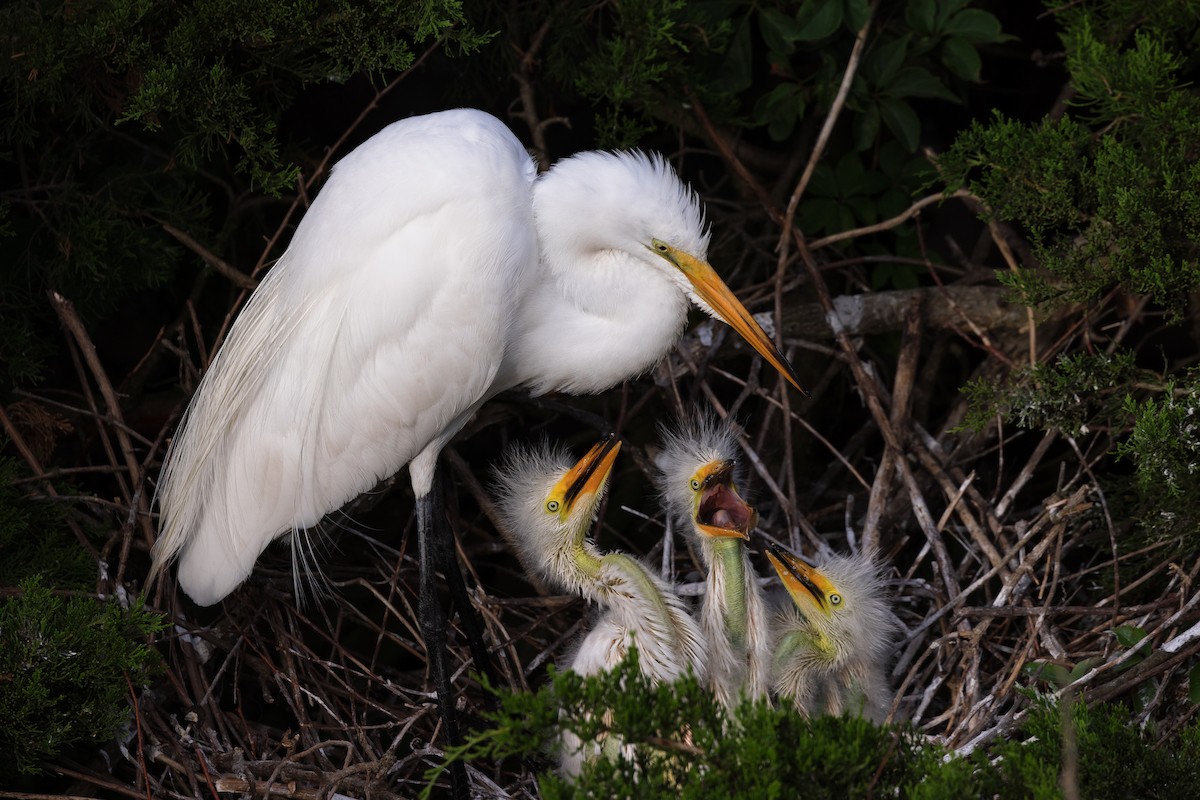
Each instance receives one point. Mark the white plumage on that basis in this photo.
(698, 482)
(432, 271)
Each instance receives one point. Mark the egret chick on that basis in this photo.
(832, 643)
(546, 508)
(698, 481)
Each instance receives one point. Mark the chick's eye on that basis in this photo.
(553, 506)
(835, 599)
(695, 485)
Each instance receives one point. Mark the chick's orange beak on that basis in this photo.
(802, 581)
(590, 473)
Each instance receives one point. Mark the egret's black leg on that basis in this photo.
(434, 544)
(472, 624)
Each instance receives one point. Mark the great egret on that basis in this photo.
(433, 270)
(698, 482)
(832, 644)
(546, 507)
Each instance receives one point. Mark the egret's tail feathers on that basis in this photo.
(212, 566)
(309, 550)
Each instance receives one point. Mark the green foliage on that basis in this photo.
(772, 70)
(1073, 392)
(917, 57)
(1164, 445)
(764, 752)
(120, 115)
(35, 541)
(1165, 442)
(1154, 426)
(629, 66)
(1110, 193)
(1116, 758)
(66, 667)
(217, 72)
(1128, 637)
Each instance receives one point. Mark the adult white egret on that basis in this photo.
(546, 506)
(832, 644)
(698, 480)
(433, 270)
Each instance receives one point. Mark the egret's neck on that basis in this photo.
(592, 320)
(727, 586)
(637, 586)
(805, 640)
(588, 560)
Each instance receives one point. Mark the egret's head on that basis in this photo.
(698, 480)
(843, 602)
(635, 203)
(546, 506)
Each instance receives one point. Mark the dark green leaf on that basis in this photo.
(946, 10)
(779, 30)
(961, 58)
(823, 183)
(779, 109)
(872, 183)
(864, 209)
(1144, 695)
(866, 127)
(818, 215)
(848, 174)
(1055, 674)
(706, 12)
(919, 15)
(1129, 635)
(918, 82)
(902, 121)
(736, 72)
(887, 59)
(1194, 684)
(1084, 667)
(857, 12)
(893, 202)
(893, 159)
(975, 25)
(818, 19)
(845, 220)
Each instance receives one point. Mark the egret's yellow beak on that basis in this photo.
(717, 295)
(588, 476)
(720, 510)
(803, 582)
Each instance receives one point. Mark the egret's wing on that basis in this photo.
(376, 334)
(602, 648)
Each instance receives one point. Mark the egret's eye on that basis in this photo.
(835, 599)
(660, 247)
(553, 506)
(695, 485)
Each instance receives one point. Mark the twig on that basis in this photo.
(70, 320)
(212, 259)
(887, 224)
